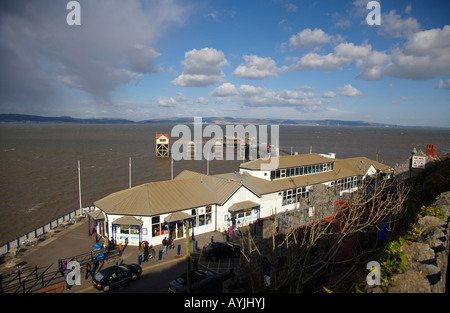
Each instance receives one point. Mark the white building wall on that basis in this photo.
(257, 173)
(224, 217)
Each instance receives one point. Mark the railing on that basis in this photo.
(30, 238)
(30, 279)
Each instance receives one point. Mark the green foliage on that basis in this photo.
(429, 211)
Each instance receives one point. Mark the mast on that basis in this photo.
(79, 186)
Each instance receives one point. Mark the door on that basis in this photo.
(180, 230)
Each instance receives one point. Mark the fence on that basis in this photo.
(36, 234)
(30, 279)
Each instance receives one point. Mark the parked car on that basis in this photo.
(199, 279)
(115, 276)
(218, 250)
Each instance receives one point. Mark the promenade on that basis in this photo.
(73, 240)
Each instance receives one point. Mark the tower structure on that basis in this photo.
(162, 145)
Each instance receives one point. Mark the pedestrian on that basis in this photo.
(165, 243)
(145, 251)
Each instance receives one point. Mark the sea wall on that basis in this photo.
(427, 255)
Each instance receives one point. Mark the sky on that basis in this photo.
(286, 59)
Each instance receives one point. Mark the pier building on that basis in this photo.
(162, 145)
(156, 210)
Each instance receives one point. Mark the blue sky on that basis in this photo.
(257, 59)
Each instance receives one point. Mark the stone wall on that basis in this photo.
(427, 254)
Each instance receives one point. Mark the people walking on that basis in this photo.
(165, 244)
(146, 250)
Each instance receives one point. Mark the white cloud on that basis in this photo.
(425, 55)
(201, 100)
(308, 38)
(329, 94)
(393, 26)
(167, 101)
(344, 53)
(252, 96)
(349, 91)
(372, 66)
(256, 68)
(201, 68)
(443, 84)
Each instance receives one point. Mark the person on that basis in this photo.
(145, 251)
(165, 243)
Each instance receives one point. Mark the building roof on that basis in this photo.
(128, 220)
(169, 196)
(191, 189)
(286, 161)
(240, 206)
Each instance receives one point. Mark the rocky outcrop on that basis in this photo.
(427, 254)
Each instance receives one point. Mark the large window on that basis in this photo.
(294, 195)
(202, 216)
(158, 228)
(301, 170)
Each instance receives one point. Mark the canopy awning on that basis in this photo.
(242, 206)
(128, 220)
(97, 215)
(177, 216)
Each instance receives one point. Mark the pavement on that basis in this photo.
(72, 240)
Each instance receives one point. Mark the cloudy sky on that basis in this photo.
(144, 59)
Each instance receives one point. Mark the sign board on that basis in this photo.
(418, 162)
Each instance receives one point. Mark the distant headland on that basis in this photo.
(25, 118)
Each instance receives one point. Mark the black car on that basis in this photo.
(218, 250)
(199, 279)
(116, 275)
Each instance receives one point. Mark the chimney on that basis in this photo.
(431, 150)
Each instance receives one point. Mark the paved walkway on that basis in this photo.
(74, 240)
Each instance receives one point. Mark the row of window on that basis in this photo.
(301, 170)
(202, 217)
(294, 195)
(345, 183)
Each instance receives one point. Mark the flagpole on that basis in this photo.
(129, 176)
(79, 186)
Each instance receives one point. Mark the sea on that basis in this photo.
(39, 162)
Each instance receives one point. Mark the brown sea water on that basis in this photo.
(39, 175)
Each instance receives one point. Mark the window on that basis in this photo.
(208, 215)
(194, 214)
(283, 173)
(355, 181)
(158, 228)
(134, 230)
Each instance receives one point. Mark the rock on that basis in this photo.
(432, 272)
(418, 252)
(434, 232)
(435, 244)
(410, 281)
(429, 221)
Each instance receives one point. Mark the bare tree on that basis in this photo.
(327, 238)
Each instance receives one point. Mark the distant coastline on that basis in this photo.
(25, 118)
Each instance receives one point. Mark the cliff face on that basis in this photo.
(427, 255)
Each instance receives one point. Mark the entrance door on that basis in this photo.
(180, 230)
